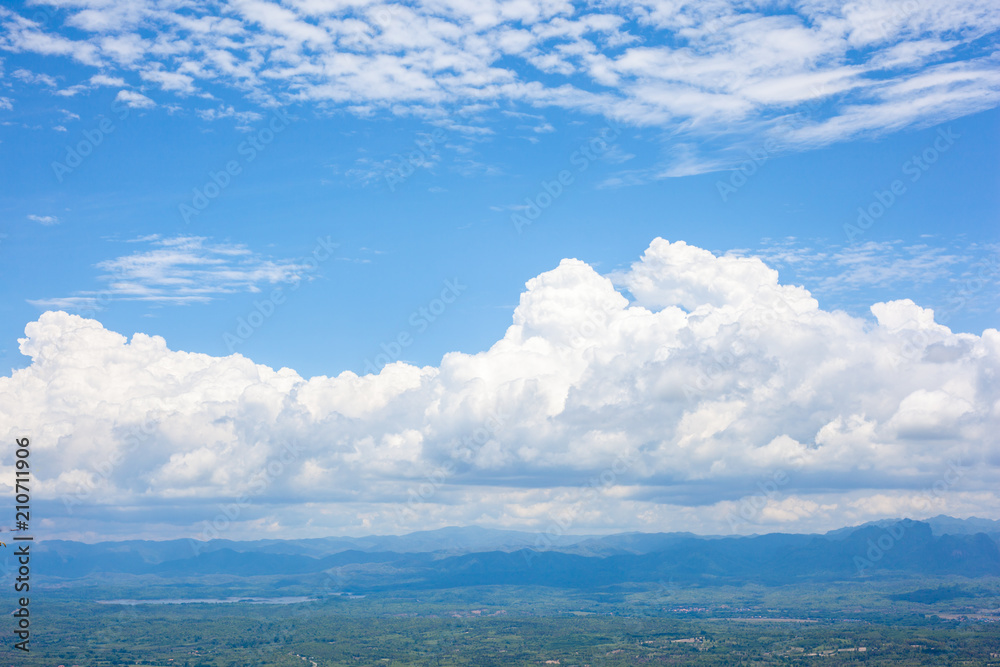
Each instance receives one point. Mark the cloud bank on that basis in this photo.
(669, 408)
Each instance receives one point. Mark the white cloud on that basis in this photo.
(713, 378)
(170, 81)
(958, 277)
(224, 111)
(23, 35)
(33, 78)
(134, 100)
(44, 219)
(181, 270)
(96, 81)
(721, 69)
(105, 80)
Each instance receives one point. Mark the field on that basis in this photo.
(945, 621)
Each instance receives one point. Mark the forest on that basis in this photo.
(943, 621)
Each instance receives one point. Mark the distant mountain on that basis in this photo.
(940, 525)
(475, 556)
(457, 540)
(629, 543)
(946, 525)
(904, 547)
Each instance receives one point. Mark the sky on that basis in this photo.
(341, 267)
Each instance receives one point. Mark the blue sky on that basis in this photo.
(379, 166)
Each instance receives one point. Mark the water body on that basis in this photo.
(290, 599)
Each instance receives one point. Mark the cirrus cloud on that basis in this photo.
(180, 270)
(804, 74)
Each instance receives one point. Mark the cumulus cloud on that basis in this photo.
(663, 411)
(105, 80)
(815, 73)
(134, 100)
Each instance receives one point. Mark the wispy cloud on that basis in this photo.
(181, 270)
(243, 118)
(33, 78)
(847, 276)
(44, 219)
(846, 268)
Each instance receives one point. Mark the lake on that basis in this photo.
(248, 600)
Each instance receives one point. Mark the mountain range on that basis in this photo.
(472, 556)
